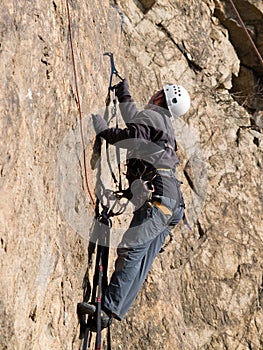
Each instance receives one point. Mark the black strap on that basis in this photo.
(109, 339)
(113, 115)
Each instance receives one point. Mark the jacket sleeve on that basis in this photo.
(126, 103)
(99, 123)
(129, 111)
(127, 137)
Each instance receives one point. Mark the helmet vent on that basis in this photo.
(177, 99)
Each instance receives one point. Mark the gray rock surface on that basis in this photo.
(205, 290)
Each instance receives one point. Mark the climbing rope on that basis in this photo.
(246, 31)
(79, 106)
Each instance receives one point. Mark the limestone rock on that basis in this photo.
(205, 290)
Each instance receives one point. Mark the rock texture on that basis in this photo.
(247, 87)
(205, 290)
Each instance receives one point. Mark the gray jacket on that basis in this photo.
(148, 137)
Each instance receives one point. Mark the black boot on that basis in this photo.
(106, 321)
(86, 309)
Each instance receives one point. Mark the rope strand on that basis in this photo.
(79, 106)
(246, 31)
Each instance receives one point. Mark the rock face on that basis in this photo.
(247, 87)
(205, 290)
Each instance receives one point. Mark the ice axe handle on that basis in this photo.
(113, 68)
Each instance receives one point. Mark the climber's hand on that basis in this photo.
(122, 90)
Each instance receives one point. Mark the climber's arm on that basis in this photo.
(126, 103)
(130, 134)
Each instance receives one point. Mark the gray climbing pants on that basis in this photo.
(139, 246)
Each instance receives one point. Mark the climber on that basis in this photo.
(153, 189)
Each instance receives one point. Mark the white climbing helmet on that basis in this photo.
(177, 98)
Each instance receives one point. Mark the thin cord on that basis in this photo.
(246, 31)
(79, 107)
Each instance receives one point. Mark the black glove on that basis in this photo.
(122, 91)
